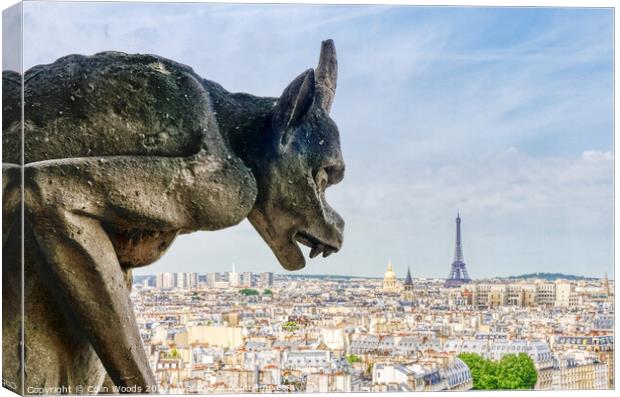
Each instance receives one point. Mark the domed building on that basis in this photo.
(390, 283)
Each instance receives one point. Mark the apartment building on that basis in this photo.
(579, 372)
(520, 294)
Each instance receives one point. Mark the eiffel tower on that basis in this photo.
(458, 272)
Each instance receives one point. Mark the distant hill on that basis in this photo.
(550, 276)
(138, 279)
(326, 276)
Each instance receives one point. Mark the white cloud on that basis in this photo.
(597, 156)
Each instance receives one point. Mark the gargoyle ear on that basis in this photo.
(296, 100)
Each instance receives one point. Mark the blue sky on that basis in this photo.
(503, 113)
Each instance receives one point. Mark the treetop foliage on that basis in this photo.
(512, 372)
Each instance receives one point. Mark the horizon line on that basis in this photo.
(526, 276)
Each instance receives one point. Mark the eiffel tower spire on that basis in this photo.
(458, 248)
(458, 271)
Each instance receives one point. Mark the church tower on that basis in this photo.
(408, 287)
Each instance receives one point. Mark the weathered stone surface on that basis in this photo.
(123, 153)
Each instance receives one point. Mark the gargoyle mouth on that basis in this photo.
(316, 245)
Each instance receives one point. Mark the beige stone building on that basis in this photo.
(601, 347)
(573, 372)
(328, 383)
(520, 294)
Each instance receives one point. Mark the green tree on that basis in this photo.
(473, 361)
(482, 371)
(529, 373)
(512, 372)
(352, 358)
(516, 372)
(290, 326)
(488, 376)
(248, 292)
(267, 291)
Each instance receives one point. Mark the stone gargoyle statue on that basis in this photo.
(122, 153)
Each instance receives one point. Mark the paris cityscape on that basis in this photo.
(240, 331)
(503, 112)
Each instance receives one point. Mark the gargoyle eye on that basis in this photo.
(335, 174)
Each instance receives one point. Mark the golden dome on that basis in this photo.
(389, 279)
(389, 274)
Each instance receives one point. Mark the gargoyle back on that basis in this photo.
(113, 103)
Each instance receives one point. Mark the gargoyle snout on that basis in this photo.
(337, 223)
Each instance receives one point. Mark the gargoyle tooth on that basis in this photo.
(316, 250)
(328, 251)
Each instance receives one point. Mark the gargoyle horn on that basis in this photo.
(326, 75)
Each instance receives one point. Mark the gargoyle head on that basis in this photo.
(303, 158)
